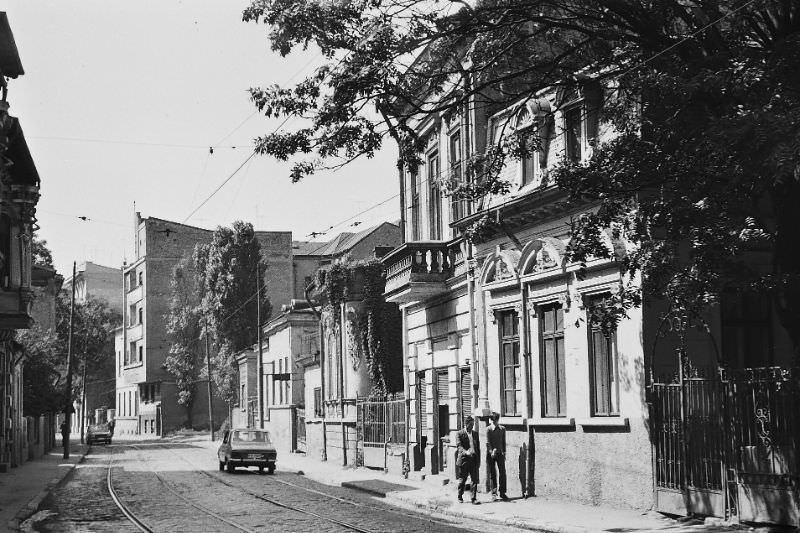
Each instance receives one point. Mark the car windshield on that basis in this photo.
(250, 436)
(99, 427)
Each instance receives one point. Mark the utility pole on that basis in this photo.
(68, 407)
(83, 400)
(260, 371)
(210, 407)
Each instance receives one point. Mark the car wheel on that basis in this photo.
(231, 467)
(271, 469)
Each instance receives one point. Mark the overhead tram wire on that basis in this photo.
(285, 120)
(639, 65)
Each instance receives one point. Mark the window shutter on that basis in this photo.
(442, 387)
(422, 402)
(465, 393)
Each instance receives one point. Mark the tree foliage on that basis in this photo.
(703, 176)
(41, 253)
(45, 354)
(184, 360)
(378, 325)
(226, 278)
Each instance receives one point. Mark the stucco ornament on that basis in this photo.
(353, 339)
(545, 259)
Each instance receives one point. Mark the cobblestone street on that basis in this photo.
(176, 487)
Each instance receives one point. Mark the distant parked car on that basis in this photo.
(247, 447)
(99, 433)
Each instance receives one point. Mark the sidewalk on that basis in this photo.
(23, 488)
(435, 497)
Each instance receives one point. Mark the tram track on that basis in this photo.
(361, 505)
(139, 523)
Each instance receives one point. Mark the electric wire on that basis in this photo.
(447, 172)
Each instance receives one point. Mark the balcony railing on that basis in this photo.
(419, 270)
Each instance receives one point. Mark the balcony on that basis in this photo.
(417, 270)
(135, 332)
(135, 294)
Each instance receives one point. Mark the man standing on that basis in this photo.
(496, 455)
(468, 460)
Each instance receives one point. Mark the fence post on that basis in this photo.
(387, 428)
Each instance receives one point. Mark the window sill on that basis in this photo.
(604, 421)
(133, 365)
(552, 422)
(512, 420)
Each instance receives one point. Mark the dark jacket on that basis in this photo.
(463, 458)
(496, 440)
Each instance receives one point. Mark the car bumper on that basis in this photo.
(252, 462)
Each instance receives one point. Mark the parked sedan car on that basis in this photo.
(98, 433)
(247, 447)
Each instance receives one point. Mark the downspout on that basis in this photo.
(471, 148)
(472, 326)
(406, 389)
(320, 332)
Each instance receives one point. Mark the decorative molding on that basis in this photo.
(353, 337)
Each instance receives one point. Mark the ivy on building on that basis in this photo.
(378, 323)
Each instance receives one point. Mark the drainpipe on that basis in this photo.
(483, 403)
(406, 389)
(472, 326)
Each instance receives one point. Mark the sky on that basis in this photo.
(120, 103)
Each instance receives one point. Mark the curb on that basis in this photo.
(521, 523)
(33, 505)
(356, 486)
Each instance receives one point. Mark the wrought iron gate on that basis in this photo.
(727, 446)
(380, 428)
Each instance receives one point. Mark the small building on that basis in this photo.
(289, 340)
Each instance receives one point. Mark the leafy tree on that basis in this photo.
(184, 361)
(226, 269)
(703, 175)
(41, 253)
(45, 352)
(43, 388)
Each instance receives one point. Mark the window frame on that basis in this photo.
(459, 207)
(414, 178)
(612, 364)
(432, 159)
(574, 148)
(559, 357)
(513, 340)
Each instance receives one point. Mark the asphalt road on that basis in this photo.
(177, 487)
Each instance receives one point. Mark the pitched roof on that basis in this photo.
(341, 244)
